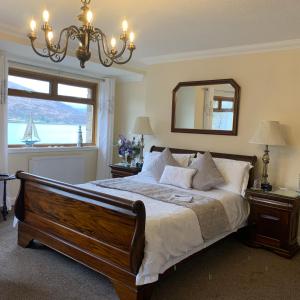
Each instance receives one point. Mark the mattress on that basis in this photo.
(172, 232)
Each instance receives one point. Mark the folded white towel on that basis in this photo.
(183, 198)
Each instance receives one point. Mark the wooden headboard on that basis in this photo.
(250, 159)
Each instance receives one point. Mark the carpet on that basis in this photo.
(229, 270)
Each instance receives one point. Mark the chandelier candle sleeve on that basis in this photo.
(84, 35)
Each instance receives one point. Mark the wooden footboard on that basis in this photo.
(103, 232)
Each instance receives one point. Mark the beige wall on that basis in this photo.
(20, 161)
(269, 90)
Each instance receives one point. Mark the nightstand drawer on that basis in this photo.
(267, 222)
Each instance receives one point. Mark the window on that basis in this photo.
(48, 110)
(223, 113)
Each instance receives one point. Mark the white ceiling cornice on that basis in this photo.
(228, 51)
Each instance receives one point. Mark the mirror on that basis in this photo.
(208, 107)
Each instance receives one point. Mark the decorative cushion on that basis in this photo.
(178, 176)
(182, 158)
(235, 173)
(154, 164)
(208, 175)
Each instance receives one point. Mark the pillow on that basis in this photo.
(178, 176)
(208, 175)
(156, 163)
(235, 173)
(182, 158)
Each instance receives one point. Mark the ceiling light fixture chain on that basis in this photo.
(85, 35)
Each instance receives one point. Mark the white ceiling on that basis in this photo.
(168, 27)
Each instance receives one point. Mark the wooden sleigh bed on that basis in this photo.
(103, 232)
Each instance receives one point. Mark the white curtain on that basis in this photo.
(105, 126)
(3, 122)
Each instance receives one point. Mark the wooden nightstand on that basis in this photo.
(119, 170)
(273, 220)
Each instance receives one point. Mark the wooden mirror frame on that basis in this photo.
(237, 89)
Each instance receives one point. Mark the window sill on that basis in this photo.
(50, 149)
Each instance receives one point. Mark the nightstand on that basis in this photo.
(119, 170)
(273, 220)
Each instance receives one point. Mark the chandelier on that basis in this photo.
(84, 35)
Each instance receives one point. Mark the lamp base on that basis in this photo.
(266, 187)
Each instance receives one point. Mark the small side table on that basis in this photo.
(119, 170)
(273, 220)
(5, 178)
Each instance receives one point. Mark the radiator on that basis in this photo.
(69, 169)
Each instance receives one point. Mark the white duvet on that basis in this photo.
(173, 232)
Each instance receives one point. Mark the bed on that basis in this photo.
(104, 230)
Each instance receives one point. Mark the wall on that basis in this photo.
(269, 90)
(20, 161)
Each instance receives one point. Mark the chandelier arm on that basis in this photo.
(125, 61)
(106, 62)
(37, 52)
(99, 35)
(71, 33)
(120, 53)
(59, 57)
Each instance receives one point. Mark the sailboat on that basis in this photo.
(30, 135)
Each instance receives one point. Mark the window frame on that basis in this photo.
(220, 99)
(53, 96)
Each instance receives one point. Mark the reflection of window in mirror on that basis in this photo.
(223, 113)
(218, 107)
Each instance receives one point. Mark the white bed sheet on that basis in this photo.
(172, 232)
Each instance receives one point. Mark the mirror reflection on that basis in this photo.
(209, 107)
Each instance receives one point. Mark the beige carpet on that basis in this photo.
(228, 270)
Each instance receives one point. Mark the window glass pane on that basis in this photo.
(216, 103)
(28, 84)
(227, 104)
(74, 91)
(222, 120)
(53, 122)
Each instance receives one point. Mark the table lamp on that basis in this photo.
(268, 133)
(142, 126)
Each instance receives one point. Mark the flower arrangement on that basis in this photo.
(128, 149)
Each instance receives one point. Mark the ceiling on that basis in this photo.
(168, 27)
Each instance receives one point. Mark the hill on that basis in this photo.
(43, 111)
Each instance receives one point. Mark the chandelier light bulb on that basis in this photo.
(131, 37)
(32, 25)
(89, 16)
(50, 36)
(113, 42)
(125, 25)
(46, 16)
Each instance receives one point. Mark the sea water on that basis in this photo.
(48, 133)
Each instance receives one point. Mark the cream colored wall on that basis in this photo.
(269, 90)
(20, 161)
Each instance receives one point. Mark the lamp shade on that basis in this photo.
(268, 133)
(142, 126)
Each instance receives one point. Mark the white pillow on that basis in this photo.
(235, 173)
(178, 176)
(182, 158)
(148, 158)
(155, 164)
